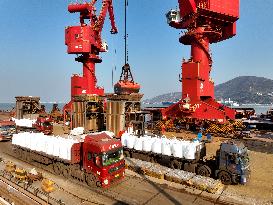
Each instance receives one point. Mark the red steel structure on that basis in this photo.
(206, 22)
(85, 40)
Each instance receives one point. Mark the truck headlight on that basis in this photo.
(105, 181)
(243, 179)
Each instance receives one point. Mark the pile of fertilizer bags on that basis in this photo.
(50, 145)
(162, 145)
(24, 122)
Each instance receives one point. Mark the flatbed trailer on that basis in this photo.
(231, 154)
(190, 165)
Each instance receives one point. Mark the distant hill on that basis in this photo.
(169, 97)
(246, 89)
(243, 89)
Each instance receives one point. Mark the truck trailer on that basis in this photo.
(41, 124)
(230, 165)
(96, 160)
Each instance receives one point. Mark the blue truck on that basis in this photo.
(230, 165)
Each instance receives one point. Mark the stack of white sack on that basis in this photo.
(50, 145)
(77, 131)
(24, 122)
(162, 145)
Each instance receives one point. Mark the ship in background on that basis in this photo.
(168, 103)
(229, 103)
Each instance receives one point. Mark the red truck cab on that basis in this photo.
(103, 157)
(44, 124)
(7, 129)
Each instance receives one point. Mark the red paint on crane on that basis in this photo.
(206, 21)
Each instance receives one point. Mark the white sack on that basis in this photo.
(190, 150)
(147, 143)
(166, 148)
(138, 144)
(156, 146)
(177, 149)
(130, 141)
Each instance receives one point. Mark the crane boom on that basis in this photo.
(107, 5)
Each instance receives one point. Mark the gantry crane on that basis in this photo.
(86, 42)
(205, 22)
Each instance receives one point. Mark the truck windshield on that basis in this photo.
(244, 159)
(112, 157)
(47, 124)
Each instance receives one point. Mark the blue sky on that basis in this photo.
(33, 58)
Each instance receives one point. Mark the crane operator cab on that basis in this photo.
(233, 163)
(173, 16)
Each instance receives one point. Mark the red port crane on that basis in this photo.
(205, 22)
(85, 40)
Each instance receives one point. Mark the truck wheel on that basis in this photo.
(204, 170)
(225, 177)
(98, 183)
(175, 164)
